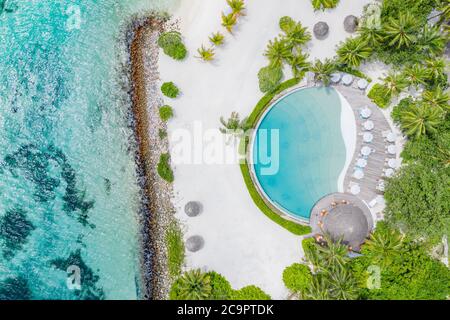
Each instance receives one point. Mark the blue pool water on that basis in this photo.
(311, 150)
(69, 192)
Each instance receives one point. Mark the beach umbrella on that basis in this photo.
(391, 149)
(355, 189)
(194, 243)
(336, 77)
(365, 113)
(347, 79)
(392, 163)
(358, 174)
(389, 172)
(192, 208)
(390, 137)
(367, 137)
(321, 30)
(368, 125)
(365, 151)
(351, 23)
(362, 84)
(362, 163)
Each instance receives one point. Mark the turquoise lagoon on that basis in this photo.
(310, 148)
(69, 192)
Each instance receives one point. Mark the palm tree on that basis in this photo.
(217, 39)
(342, 284)
(373, 36)
(354, 51)
(436, 69)
(194, 285)
(278, 51)
(324, 4)
(383, 245)
(295, 34)
(334, 254)
(323, 70)
(395, 83)
(318, 289)
(237, 6)
(419, 120)
(401, 32)
(437, 98)
(432, 41)
(444, 14)
(234, 124)
(229, 21)
(416, 75)
(206, 54)
(299, 63)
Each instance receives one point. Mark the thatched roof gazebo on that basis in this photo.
(321, 30)
(343, 217)
(193, 208)
(194, 243)
(351, 23)
(348, 223)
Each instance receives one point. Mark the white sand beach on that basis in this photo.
(240, 241)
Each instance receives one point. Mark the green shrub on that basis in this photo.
(162, 133)
(164, 169)
(297, 277)
(269, 78)
(172, 45)
(221, 288)
(175, 249)
(169, 89)
(404, 104)
(249, 293)
(165, 113)
(379, 95)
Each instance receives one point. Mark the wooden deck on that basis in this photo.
(376, 161)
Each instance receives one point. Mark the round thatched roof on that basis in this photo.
(194, 243)
(351, 23)
(193, 208)
(347, 223)
(321, 30)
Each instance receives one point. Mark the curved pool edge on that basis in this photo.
(284, 213)
(348, 131)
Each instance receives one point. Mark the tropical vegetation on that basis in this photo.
(172, 44)
(165, 113)
(391, 266)
(175, 249)
(217, 39)
(170, 90)
(354, 51)
(233, 124)
(324, 4)
(198, 285)
(323, 70)
(206, 54)
(269, 78)
(285, 49)
(164, 169)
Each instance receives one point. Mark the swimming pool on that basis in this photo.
(299, 152)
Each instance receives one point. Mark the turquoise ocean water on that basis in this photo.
(311, 149)
(68, 185)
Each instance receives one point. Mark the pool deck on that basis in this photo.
(376, 161)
